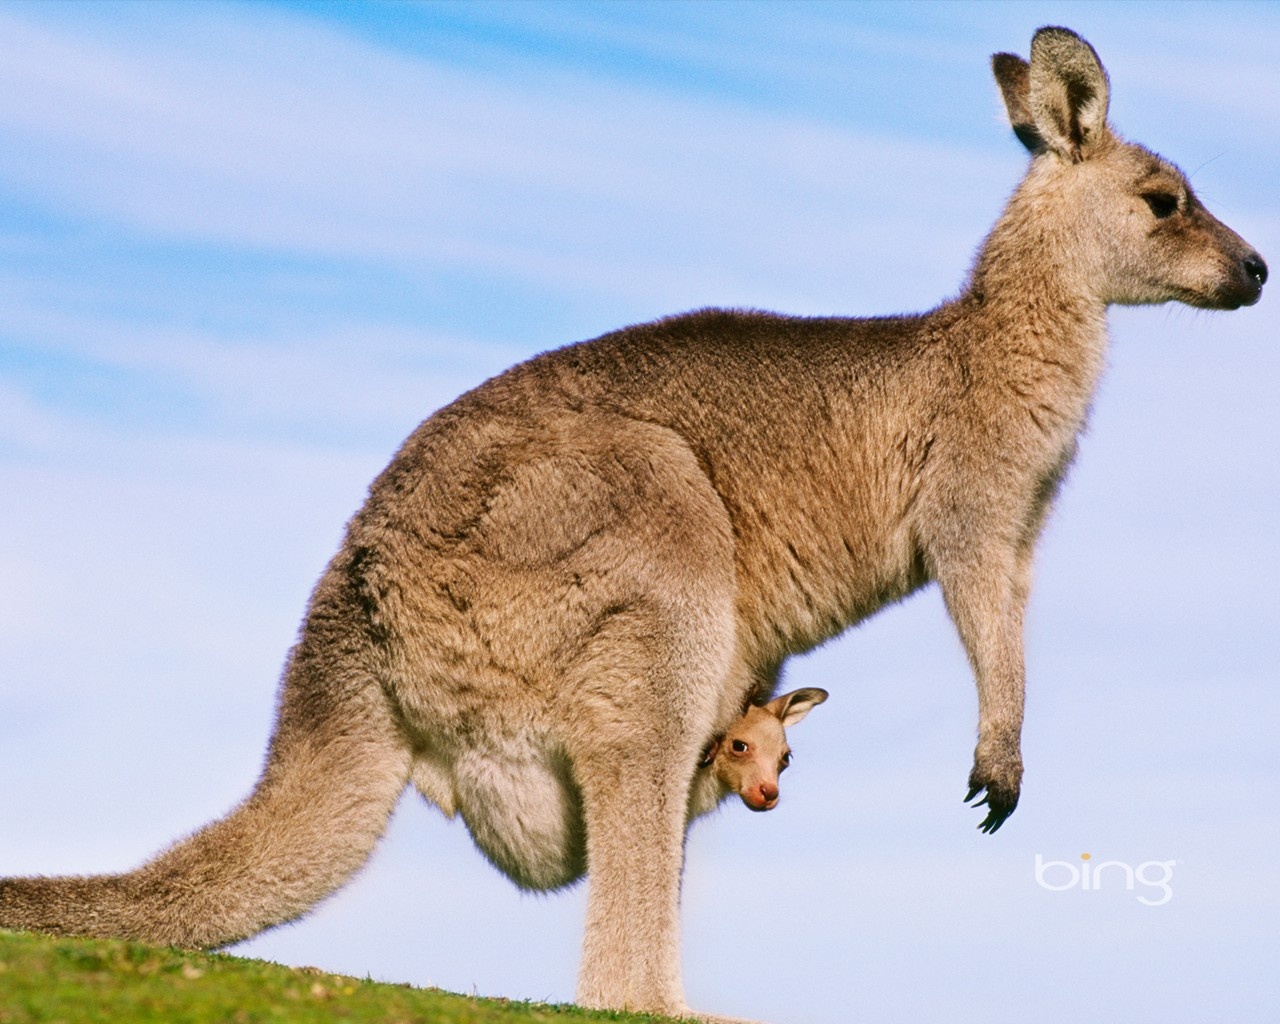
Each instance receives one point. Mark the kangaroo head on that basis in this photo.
(748, 759)
(1124, 220)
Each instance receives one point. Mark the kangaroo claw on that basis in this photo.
(1000, 798)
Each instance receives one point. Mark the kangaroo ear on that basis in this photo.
(791, 707)
(1068, 93)
(1013, 75)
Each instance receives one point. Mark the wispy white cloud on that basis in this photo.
(352, 385)
(312, 142)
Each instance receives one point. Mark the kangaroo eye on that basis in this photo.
(786, 760)
(1162, 204)
(739, 746)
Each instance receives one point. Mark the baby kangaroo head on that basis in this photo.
(1123, 219)
(749, 757)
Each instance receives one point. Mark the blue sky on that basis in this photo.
(245, 248)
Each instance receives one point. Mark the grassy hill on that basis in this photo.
(84, 981)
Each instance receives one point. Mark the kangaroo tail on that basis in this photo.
(336, 765)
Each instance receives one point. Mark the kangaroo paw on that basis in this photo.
(1001, 784)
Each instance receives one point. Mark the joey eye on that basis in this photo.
(740, 746)
(1162, 204)
(786, 761)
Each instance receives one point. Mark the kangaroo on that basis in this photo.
(752, 753)
(567, 581)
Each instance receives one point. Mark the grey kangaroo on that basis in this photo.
(567, 582)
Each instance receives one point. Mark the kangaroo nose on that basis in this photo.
(1256, 267)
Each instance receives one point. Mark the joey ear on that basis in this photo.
(1068, 94)
(1013, 75)
(793, 706)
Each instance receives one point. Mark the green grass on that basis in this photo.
(77, 981)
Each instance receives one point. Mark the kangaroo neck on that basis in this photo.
(1031, 290)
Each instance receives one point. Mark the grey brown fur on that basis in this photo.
(566, 582)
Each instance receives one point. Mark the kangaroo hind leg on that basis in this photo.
(641, 720)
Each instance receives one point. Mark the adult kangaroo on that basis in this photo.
(572, 578)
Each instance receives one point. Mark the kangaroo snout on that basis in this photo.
(1244, 270)
(1241, 273)
(1244, 285)
(1255, 272)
